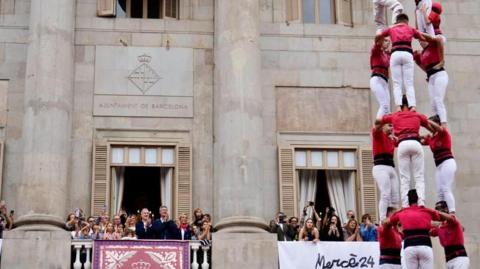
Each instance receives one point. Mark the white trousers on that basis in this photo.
(411, 162)
(387, 182)
(401, 66)
(444, 177)
(418, 257)
(379, 88)
(437, 87)
(379, 7)
(459, 263)
(422, 25)
(390, 266)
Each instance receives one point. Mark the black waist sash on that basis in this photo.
(451, 252)
(407, 48)
(375, 74)
(417, 237)
(383, 159)
(390, 256)
(431, 71)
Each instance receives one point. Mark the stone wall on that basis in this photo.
(194, 30)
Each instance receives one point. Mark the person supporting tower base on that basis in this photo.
(416, 224)
(450, 233)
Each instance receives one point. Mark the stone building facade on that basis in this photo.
(221, 104)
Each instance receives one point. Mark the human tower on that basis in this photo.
(392, 52)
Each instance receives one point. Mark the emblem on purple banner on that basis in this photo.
(139, 254)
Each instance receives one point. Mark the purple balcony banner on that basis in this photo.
(140, 254)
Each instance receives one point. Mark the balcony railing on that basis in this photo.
(82, 255)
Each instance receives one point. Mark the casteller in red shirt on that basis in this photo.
(450, 233)
(441, 145)
(429, 57)
(401, 35)
(406, 124)
(416, 224)
(383, 147)
(379, 61)
(390, 242)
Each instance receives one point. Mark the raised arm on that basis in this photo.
(434, 127)
(445, 216)
(423, 9)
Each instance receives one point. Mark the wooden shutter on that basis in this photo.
(287, 186)
(344, 12)
(106, 8)
(292, 9)
(183, 182)
(171, 8)
(368, 188)
(100, 182)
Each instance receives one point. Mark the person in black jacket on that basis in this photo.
(164, 227)
(282, 229)
(144, 228)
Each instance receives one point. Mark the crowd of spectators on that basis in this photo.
(141, 225)
(311, 226)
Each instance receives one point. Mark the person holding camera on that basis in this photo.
(309, 232)
(309, 211)
(281, 228)
(71, 223)
(332, 231)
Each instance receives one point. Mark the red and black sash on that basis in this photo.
(451, 252)
(390, 256)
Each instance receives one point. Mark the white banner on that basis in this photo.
(328, 255)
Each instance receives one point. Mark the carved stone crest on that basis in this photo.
(144, 77)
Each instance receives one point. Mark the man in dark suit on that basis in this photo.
(143, 228)
(164, 227)
(282, 229)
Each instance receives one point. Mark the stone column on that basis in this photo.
(242, 241)
(38, 241)
(238, 122)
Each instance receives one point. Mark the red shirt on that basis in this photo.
(441, 145)
(389, 237)
(450, 233)
(415, 218)
(429, 57)
(406, 124)
(379, 61)
(381, 142)
(401, 35)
